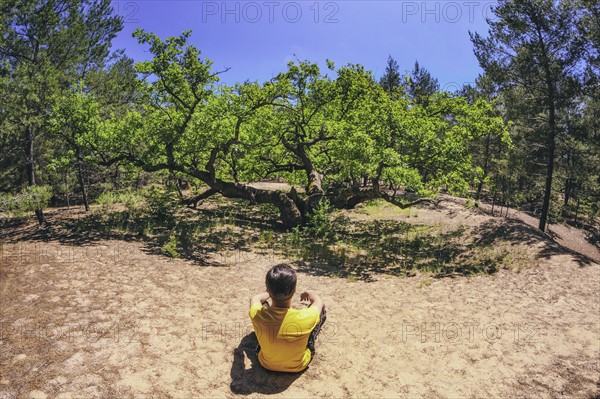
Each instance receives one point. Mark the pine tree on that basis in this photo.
(45, 47)
(534, 51)
(421, 85)
(391, 80)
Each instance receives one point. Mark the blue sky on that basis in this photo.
(256, 39)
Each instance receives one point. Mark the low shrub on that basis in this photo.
(27, 200)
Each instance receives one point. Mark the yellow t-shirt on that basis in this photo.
(283, 335)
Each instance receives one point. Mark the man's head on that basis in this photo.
(281, 282)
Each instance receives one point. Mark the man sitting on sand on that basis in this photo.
(286, 336)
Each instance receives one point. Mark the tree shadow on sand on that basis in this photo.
(385, 247)
(256, 379)
(197, 235)
(519, 232)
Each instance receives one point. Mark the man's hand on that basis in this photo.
(305, 296)
(259, 298)
(314, 298)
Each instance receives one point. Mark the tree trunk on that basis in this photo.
(549, 168)
(30, 170)
(289, 212)
(348, 198)
(115, 177)
(67, 189)
(314, 191)
(567, 192)
(550, 140)
(478, 193)
(81, 179)
(486, 164)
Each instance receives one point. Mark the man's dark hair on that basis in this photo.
(281, 281)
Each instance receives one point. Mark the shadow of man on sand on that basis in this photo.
(256, 379)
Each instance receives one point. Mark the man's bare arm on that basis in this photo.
(259, 298)
(314, 298)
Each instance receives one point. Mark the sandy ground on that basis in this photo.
(111, 320)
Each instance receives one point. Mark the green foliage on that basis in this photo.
(420, 85)
(27, 200)
(170, 247)
(76, 117)
(62, 39)
(161, 206)
(303, 126)
(534, 53)
(267, 238)
(391, 81)
(320, 222)
(130, 198)
(107, 198)
(329, 131)
(381, 209)
(294, 242)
